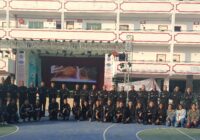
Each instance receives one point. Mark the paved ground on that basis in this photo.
(84, 130)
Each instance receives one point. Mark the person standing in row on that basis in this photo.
(52, 92)
(93, 95)
(153, 96)
(188, 98)
(64, 95)
(32, 91)
(121, 97)
(42, 91)
(22, 91)
(164, 97)
(176, 96)
(132, 95)
(12, 89)
(143, 96)
(76, 94)
(84, 95)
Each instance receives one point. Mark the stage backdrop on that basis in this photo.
(73, 70)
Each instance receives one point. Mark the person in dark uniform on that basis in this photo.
(91, 110)
(2, 90)
(32, 91)
(139, 113)
(76, 110)
(53, 109)
(13, 89)
(105, 94)
(3, 112)
(84, 94)
(164, 97)
(52, 92)
(76, 94)
(143, 96)
(188, 98)
(12, 112)
(93, 95)
(176, 97)
(108, 112)
(161, 115)
(119, 113)
(66, 109)
(26, 111)
(198, 101)
(122, 95)
(151, 113)
(22, 90)
(132, 95)
(64, 94)
(113, 94)
(100, 95)
(129, 115)
(37, 111)
(85, 112)
(42, 91)
(153, 96)
(98, 111)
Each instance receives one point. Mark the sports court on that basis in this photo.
(84, 130)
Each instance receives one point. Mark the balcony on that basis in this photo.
(142, 67)
(91, 6)
(187, 38)
(36, 5)
(186, 68)
(7, 66)
(2, 4)
(158, 68)
(89, 35)
(188, 7)
(146, 7)
(147, 36)
(2, 33)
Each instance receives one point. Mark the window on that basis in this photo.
(177, 28)
(93, 26)
(162, 27)
(176, 58)
(58, 25)
(70, 24)
(161, 57)
(35, 25)
(124, 27)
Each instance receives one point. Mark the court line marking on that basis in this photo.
(106, 130)
(138, 138)
(17, 129)
(185, 134)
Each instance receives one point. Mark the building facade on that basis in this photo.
(163, 36)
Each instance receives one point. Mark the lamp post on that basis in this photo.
(128, 48)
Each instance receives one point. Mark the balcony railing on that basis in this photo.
(89, 35)
(161, 68)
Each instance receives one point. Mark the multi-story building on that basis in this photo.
(163, 35)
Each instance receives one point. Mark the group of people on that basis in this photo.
(120, 106)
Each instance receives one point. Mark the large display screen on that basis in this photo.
(73, 73)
